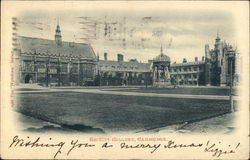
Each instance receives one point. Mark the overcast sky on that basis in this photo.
(135, 33)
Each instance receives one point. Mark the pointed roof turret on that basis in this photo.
(161, 49)
(162, 57)
(58, 36)
(217, 37)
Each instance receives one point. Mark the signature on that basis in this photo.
(212, 147)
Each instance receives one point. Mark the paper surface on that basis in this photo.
(169, 143)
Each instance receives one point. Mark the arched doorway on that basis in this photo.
(27, 79)
(124, 82)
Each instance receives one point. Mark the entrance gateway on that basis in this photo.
(28, 79)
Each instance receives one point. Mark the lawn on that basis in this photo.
(116, 113)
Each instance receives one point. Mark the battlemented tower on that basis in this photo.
(217, 63)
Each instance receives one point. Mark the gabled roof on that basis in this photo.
(45, 46)
(139, 66)
(187, 64)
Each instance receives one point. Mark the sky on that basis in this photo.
(135, 33)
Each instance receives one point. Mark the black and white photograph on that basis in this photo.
(123, 68)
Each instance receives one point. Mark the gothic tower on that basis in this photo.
(207, 52)
(218, 49)
(207, 65)
(58, 37)
(217, 42)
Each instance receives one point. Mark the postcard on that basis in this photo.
(125, 80)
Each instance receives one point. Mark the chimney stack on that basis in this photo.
(105, 56)
(203, 58)
(184, 60)
(97, 57)
(119, 57)
(196, 59)
(150, 61)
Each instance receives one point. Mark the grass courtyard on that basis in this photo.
(116, 113)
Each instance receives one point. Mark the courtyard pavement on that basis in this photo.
(223, 124)
(117, 92)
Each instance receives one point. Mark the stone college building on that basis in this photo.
(59, 63)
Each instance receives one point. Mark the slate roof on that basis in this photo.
(45, 46)
(137, 66)
(187, 64)
(125, 66)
